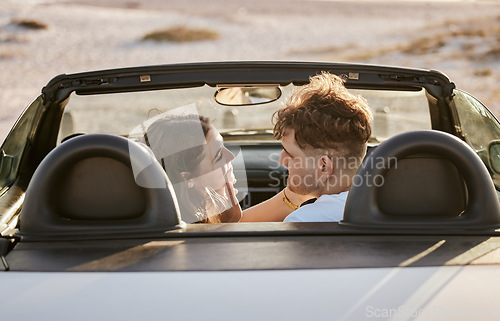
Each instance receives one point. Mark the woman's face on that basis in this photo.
(215, 169)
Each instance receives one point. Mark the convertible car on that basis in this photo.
(82, 238)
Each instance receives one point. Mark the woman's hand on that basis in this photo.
(233, 213)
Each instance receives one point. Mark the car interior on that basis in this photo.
(76, 185)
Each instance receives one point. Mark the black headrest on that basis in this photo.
(423, 179)
(98, 184)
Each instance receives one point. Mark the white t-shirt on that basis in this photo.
(327, 208)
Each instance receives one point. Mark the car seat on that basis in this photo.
(423, 180)
(98, 184)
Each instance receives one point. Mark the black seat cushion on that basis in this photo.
(422, 185)
(100, 184)
(423, 180)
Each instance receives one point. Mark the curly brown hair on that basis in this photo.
(325, 115)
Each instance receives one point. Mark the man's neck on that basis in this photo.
(332, 188)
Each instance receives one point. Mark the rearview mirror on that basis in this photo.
(243, 96)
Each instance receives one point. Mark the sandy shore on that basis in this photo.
(87, 35)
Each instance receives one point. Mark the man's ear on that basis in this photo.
(326, 166)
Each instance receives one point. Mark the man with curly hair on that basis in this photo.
(324, 131)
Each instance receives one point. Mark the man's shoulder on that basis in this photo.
(329, 198)
(327, 208)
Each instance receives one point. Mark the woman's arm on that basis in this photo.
(274, 209)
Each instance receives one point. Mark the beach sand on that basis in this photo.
(459, 38)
